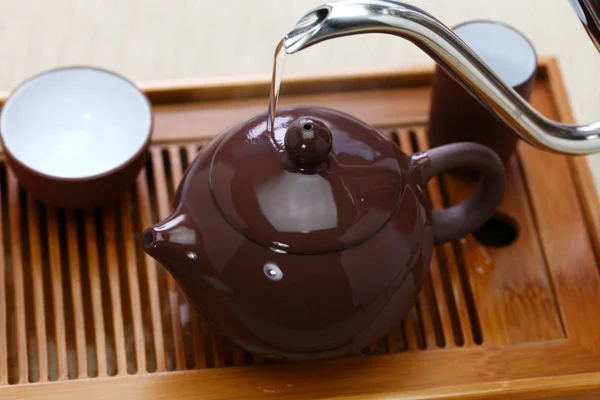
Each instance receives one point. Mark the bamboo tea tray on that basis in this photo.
(511, 312)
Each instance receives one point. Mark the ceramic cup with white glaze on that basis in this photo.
(455, 115)
(76, 137)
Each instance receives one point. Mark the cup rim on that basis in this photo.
(139, 152)
(511, 28)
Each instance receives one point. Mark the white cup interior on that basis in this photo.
(75, 122)
(507, 52)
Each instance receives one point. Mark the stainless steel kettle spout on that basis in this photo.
(588, 12)
(351, 17)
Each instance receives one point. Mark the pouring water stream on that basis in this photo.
(278, 63)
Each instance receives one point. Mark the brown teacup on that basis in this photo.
(76, 137)
(455, 115)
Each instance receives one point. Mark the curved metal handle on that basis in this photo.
(351, 17)
(588, 12)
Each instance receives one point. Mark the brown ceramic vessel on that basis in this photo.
(312, 240)
(456, 115)
(76, 137)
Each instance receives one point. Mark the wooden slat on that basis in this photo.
(77, 295)
(37, 278)
(114, 283)
(151, 274)
(238, 356)
(17, 273)
(177, 172)
(458, 294)
(96, 293)
(410, 330)
(133, 283)
(197, 333)
(3, 303)
(191, 151)
(441, 301)
(57, 295)
(394, 338)
(217, 349)
(437, 202)
(427, 317)
(164, 208)
(176, 168)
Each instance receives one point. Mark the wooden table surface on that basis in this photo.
(516, 321)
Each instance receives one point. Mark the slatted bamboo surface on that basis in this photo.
(508, 312)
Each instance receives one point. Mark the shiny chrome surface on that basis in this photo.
(351, 17)
(588, 12)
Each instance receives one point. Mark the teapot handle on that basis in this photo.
(463, 218)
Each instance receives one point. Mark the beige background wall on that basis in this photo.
(154, 40)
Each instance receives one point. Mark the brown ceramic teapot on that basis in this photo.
(312, 239)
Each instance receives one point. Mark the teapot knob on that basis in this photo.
(308, 143)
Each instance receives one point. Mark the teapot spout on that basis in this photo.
(149, 241)
(171, 242)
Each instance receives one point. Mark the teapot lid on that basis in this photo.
(319, 181)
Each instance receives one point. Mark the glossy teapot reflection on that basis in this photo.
(311, 239)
